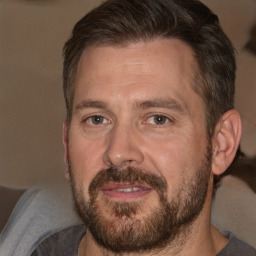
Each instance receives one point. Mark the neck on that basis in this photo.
(192, 242)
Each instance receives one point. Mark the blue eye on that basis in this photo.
(97, 120)
(158, 120)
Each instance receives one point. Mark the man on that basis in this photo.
(150, 128)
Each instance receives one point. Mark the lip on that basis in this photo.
(125, 191)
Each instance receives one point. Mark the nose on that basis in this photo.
(123, 147)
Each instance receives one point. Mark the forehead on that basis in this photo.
(159, 52)
(136, 71)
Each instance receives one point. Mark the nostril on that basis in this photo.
(128, 162)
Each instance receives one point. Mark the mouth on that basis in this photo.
(125, 192)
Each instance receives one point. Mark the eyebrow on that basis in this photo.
(90, 104)
(168, 103)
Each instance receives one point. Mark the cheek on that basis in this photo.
(176, 158)
(86, 159)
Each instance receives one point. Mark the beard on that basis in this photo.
(119, 227)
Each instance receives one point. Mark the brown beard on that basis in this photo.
(124, 231)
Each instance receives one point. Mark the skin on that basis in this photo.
(128, 87)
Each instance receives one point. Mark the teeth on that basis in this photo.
(127, 189)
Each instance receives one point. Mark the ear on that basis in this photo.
(226, 140)
(65, 143)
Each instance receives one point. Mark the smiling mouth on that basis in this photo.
(123, 192)
(128, 189)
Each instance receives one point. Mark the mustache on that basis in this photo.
(129, 174)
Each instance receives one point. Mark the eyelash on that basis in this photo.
(155, 116)
(104, 121)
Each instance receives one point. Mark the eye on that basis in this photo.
(158, 120)
(97, 120)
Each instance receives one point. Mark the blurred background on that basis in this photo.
(32, 34)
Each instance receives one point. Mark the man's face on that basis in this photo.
(137, 146)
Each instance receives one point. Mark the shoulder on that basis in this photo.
(236, 247)
(63, 243)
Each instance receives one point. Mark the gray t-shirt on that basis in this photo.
(66, 243)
